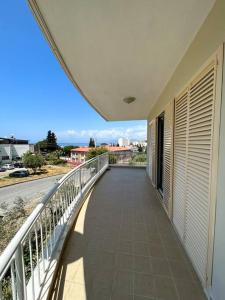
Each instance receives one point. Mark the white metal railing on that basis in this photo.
(28, 263)
(128, 159)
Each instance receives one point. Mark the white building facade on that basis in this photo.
(11, 149)
(123, 142)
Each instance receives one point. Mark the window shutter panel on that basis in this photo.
(168, 157)
(180, 157)
(199, 157)
(152, 152)
(196, 135)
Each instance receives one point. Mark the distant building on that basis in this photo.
(79, 155)
(142, 143)
(13, 149)
(123, 142)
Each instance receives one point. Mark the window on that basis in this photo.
(5, 157)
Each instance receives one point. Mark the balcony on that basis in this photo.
(123, 246)
(99, 234)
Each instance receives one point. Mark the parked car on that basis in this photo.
(18, 165)
(8, 166)
(2, 169)
(19, 173)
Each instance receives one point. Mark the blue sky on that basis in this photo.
(35, 93)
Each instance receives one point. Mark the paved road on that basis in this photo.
(28, 191)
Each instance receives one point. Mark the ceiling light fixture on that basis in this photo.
(129, 100)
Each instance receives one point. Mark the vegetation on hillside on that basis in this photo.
(95, 152)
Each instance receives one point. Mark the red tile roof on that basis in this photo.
(109, 148)
(116, 149)
(81, 149)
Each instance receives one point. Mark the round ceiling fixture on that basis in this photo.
(129, 100)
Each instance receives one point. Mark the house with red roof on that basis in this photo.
(79, 155)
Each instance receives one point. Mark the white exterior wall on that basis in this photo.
(218, 279)
(78, 156)
(19, 150)
(5, 150)
(13, 151)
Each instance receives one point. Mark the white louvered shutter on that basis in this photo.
(168, 157)
(199, 157)
(180, 157)
(194, 150)
(152, 152)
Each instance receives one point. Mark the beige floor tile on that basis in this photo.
(156, 250)
(180, 270)
(123, 283)
(189, 290)
(124, 261)
(160, 266)
(141, 248)
(125, 247)
(69, 268)
(165, 289)
(75, 291)
(142, 264)
(144, 285)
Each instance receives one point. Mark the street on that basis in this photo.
(28, 191)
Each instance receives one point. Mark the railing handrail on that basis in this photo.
(69, 174)
(11, 248)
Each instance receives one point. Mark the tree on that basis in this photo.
(140, 148)
(40, 146)
(33, 161)
(67, 149)
(95, 152)
(47, 145)
(51, 141)
(92, 142)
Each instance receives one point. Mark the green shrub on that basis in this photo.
(33, 161)
(95, 152)
(139, 158)
(112, 159)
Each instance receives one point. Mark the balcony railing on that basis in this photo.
(128, 159)
(28, 263)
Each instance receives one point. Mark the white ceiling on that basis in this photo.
(119, 48)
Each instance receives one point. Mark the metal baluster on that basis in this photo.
(65, 201)
(12, 270)
(31, 266)
(80, 183)
(20, 273)
(46, 234)
(62, 208)
(56, 210)
(52, 223)
(1, 297)
(37, 253)
(42, 244)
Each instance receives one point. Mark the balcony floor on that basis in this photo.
(124, 247)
